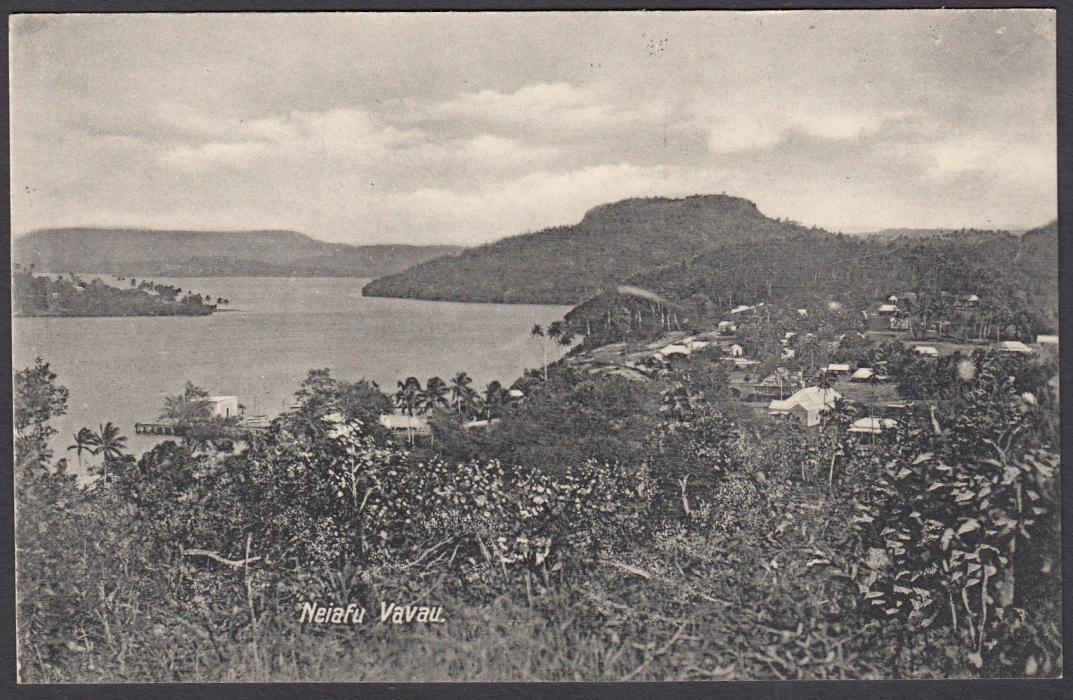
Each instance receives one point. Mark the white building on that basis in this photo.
(1046, 340)
(670, 350)
(862, 374)
(806, 405)
(224, 406)
(873, 426)
(401, 422)
(1014, 346)
(926, 351)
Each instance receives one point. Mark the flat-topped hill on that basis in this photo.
(211, 253)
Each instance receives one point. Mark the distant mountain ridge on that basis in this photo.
(904, 233)
(173, 253)
(568, 264)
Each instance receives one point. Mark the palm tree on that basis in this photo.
(942, 311)
(84, 441)
(461, 393)
(537, 333)
(435, 394)
(494, 394)
(813, 348)
(109, 444)
(409, 394)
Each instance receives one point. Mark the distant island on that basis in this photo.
(41, 295)
(161, 253)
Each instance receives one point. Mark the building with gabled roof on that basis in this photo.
(806, 405)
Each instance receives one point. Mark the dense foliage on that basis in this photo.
(716, 546)
(1016, 280)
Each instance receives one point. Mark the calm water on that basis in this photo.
(119, 369)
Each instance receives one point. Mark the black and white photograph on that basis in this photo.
(551, 346)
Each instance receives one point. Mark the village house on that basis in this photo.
(862, 374)
(727, 327)
(224, 406)
(806, 405)
(674, 349)
(926, 351)
(1015, 346)
(837, 369)
(402, 423)
(778, 384)
(872, 426)
(1047, 340)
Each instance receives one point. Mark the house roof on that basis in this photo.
(675, 349)
(862, 373)
(398, 421)
(1013, 346)
(872, 425)
(887, 308)
(1046, 340)
(811, 398)
(836, 367)
(925, 350)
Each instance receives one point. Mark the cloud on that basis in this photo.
(545, 198)
(539, 104)
(212, 154)
(334, 125)
(958, 155)
(761, 127)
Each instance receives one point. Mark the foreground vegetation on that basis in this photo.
(685, 539)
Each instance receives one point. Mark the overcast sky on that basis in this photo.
(463, 128)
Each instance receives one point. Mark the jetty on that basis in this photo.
(231, 431)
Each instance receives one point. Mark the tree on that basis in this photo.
(37, 400)
(537, 333)
(435, 394)
(494, 396)
(109, 444)
(461, 392)
(813, 349)
(84, 440)
(362, 401)
(187, 408)
(408, 396)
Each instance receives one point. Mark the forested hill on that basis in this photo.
(568, 264)
(211, 253)
(1016, 278)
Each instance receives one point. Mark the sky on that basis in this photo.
(462, 128)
